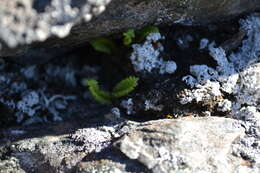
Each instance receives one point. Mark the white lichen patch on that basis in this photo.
(146, 56)
(249, 86)
(168, 67)
(225, 106)
(28, 92)
(237, 75)
(35, 101)
(190, 81)
(148, 105)
(228, 76)
(210, 90)
(128, 105)
(248, 113)
(250, 51)
(114, 114)
(203, 73)
(28, 103)
(225, 68)
(94, 140)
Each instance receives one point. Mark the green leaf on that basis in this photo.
(125, 86)
(99, 95)
(146, 31)
(104, 45)
(129, 35)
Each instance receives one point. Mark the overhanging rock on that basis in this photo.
(52, 24)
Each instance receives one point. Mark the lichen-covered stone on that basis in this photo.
(25, 21)
(210, 144)
(185, 145)
(237, 75)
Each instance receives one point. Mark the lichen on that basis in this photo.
(30, 95)
(26, 21)
(128, 105)
(237, 75)
(249, 52)
(203, 93)
(203, 73)
(148, 105)
(146, 56)
(225, 106)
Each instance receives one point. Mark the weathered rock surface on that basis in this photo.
(27, 21)
(209, 144)
(192, 145)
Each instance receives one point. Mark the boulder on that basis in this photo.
(185, 145)
(206, 144)
(39, 26)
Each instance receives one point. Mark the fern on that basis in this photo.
(129, 35)
(98, 94)
(125, 86)
(121, 89)
(104, 45)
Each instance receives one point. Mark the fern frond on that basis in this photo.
(104, 45)
(98, 94)
(129, 35)
(125, 86)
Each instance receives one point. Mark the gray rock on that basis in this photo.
(28, 21)
(185, 145)
(103, 166)
(210, 144)
(55, 148)
(11, 165)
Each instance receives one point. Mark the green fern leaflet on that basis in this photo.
(98, 94)
(121, 89)
(104, 45)
(129, 35)
(125, 86)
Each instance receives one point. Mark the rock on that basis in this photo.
(11, 165)
(185, 145)
(39, 149)
(103, 166)
(210, 144)
(110, 166)
(24, 22)
(56, 148)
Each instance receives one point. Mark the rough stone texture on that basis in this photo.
(210, 144)
(104, 166)
(190, 145)
(27, 21)
(60, 148)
